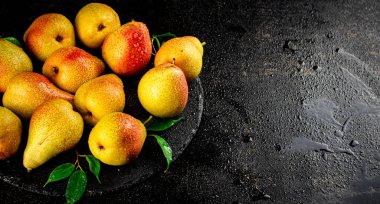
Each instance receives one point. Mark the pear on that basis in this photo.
(117, 139)
(70, 67)
(54, 128)
(163, 91)
(10, 133)
(94, 21)
(185, 52)
(13, 60)
(127, 50)
(99, 97)
(48, 33)
(28, 90)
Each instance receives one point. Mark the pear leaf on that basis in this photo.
(60, 172)
(94, 165)
(76, 186)
(159, 124)
(13, 40)
(165, 147)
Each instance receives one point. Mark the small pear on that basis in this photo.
(28, 90)
(54, 128)
(13, 60)
(70, 67)
(10, 133)
(185, 52)
(163, 91)
(99, 97)
(117, 139)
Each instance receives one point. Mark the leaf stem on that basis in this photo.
(148, 120)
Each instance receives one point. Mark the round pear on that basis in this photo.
(10, 133)
(163, 91)
(117, 139)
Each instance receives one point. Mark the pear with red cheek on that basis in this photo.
(127, 50)
(70, 67)
(48, 33)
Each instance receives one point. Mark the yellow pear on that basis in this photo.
(47, 33)
(117, 139)
(54, 128)
(163, 91)
(28, 90)
(185, 52)
(94, 21)
(70, 67)
(13, 60)
(99, 97)
(10, 133)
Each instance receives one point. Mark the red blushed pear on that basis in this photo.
(26, 91)
(48, 33)
(127, 50)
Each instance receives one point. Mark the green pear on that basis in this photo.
(13, 60)
(54, 128)
(10, 133)
(117, 139)
(99, 97)
(28, 90)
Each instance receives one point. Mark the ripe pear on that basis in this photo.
(128, 50)
(10, 133)
(13, 60)
(54, 128)
(185, 52)
(47, 33)
(28, 90)
(99, 97)
(117, 139)
(70, 67)
(163, 91)
(94, 21)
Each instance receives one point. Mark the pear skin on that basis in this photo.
(94, 22)
(127, 50)
(47, 33)
(117, 139)
(163, 91)
(13, 60)
(28, 90)
(70, 67)
(54, 128)
(99, 97)
(185, 52)
(10, 133)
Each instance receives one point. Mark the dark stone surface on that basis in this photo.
(288, 85)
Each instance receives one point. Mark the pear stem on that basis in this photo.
(148, 120)
(203, 44)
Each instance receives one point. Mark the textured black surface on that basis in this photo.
(288, 86)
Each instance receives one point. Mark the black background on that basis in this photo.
(265, 62)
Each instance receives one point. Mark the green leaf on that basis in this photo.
(165, 147)
(60, 172)
(76, 186)
(94, 165)
(168, 34)
(13, 40)
(159, 124)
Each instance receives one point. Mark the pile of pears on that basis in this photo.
(77, 88)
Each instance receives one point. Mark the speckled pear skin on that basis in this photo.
(13, 60)
(54, 128)
(127, 50)
(163, 91)
(99, 97)
(47, 33)
(185, 52)
(10, 133)
(28, 90)
(70, 67)
(117, 139)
